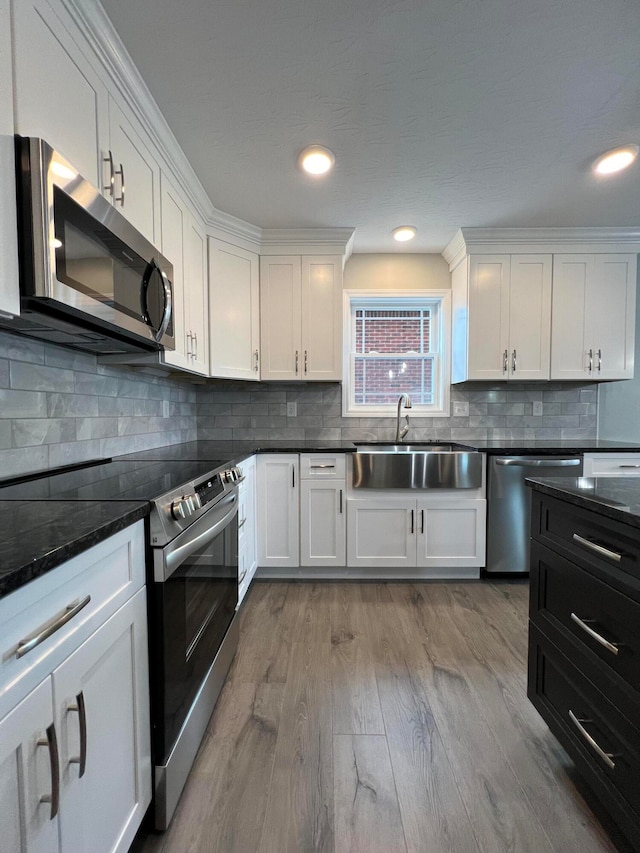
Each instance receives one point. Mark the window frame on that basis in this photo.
(442, 392)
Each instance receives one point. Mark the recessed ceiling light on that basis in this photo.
(316, 159)
(404, 233)
(616, 160)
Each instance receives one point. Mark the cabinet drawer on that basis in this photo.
(322, 466)
(604, 744)
(612, 465)
(107, 575)
(608, 547)
(601, 621)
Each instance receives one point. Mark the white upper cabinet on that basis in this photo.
(9, 291)
(131, 175)
(301, 317)
(322, 318)
(58, 95)
(196, 295)
(280, 312)
(501, 317)
(174, 225)
(593, 330)
(234, 311)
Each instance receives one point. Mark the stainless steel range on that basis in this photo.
(192, 589)
(192, 605)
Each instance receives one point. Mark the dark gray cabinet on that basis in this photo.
(584, 647)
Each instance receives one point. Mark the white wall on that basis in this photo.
(619, 402)
(395, 271)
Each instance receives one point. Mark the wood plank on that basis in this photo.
(367, 816)
(519, 733)
(356, 704)
(267, 629)
(299, 815)
(224, 802)
(433, 813)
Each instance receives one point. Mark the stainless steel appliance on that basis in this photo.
(193, 601)
(509, 506)
(192, 589)
(88, 279)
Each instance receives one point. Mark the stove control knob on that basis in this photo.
(178, 509)
(196, 500)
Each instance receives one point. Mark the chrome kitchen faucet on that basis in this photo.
(400, 433)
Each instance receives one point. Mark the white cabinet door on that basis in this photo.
(381, 533)
(234, 311)
(9, 291)
(488, 316)
(593, 316)
(247, 544)
(322, 318)
(278, 511)
(451, 533)
(101, 810)
(569, 349)
(26, 825)
(196, 296)
(323, 531)
(280, 310)
(137, 171)
(173, 229)
(58, 95)
(610, 324)
(530, 317)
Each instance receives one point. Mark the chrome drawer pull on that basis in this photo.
(56, 623)
(628, 466)
(313, 467)
(605, 756)
(242, 577)
(242, 523)
(599, 549)
(81, 710)
(612, 647)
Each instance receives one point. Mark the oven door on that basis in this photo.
(194, 598)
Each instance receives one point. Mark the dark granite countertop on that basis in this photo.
(235, 451)
(544, 447)
(37, 537)
(615, 497)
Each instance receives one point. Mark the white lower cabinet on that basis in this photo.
(278, 489)
(75, 756)
(611, 465)
(247, 543)
(323, 529)
(381, 532)
(451, 533)
(101, 810)
(26, 824)
(434, 533)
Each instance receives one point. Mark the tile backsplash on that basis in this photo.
(58, 407)
(243, 411)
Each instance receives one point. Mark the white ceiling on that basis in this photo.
(441, 113)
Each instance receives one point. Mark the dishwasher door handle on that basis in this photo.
(539, 463)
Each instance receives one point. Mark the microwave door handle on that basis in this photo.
(168, 305)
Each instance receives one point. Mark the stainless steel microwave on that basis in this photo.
(88, 279)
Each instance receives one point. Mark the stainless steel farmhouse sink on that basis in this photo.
(416, 466)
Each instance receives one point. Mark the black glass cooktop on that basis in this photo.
(115, 480)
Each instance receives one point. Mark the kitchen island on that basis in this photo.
(584, 631)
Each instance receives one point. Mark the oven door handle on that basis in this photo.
(174, 554)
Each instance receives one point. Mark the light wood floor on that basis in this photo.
(381, 718)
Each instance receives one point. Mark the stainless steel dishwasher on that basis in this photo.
(509, 506)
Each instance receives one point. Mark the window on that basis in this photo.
(396, 344)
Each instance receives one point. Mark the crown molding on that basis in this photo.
(539, 240)
(104, 41)
(307, 241)
(230, 229)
